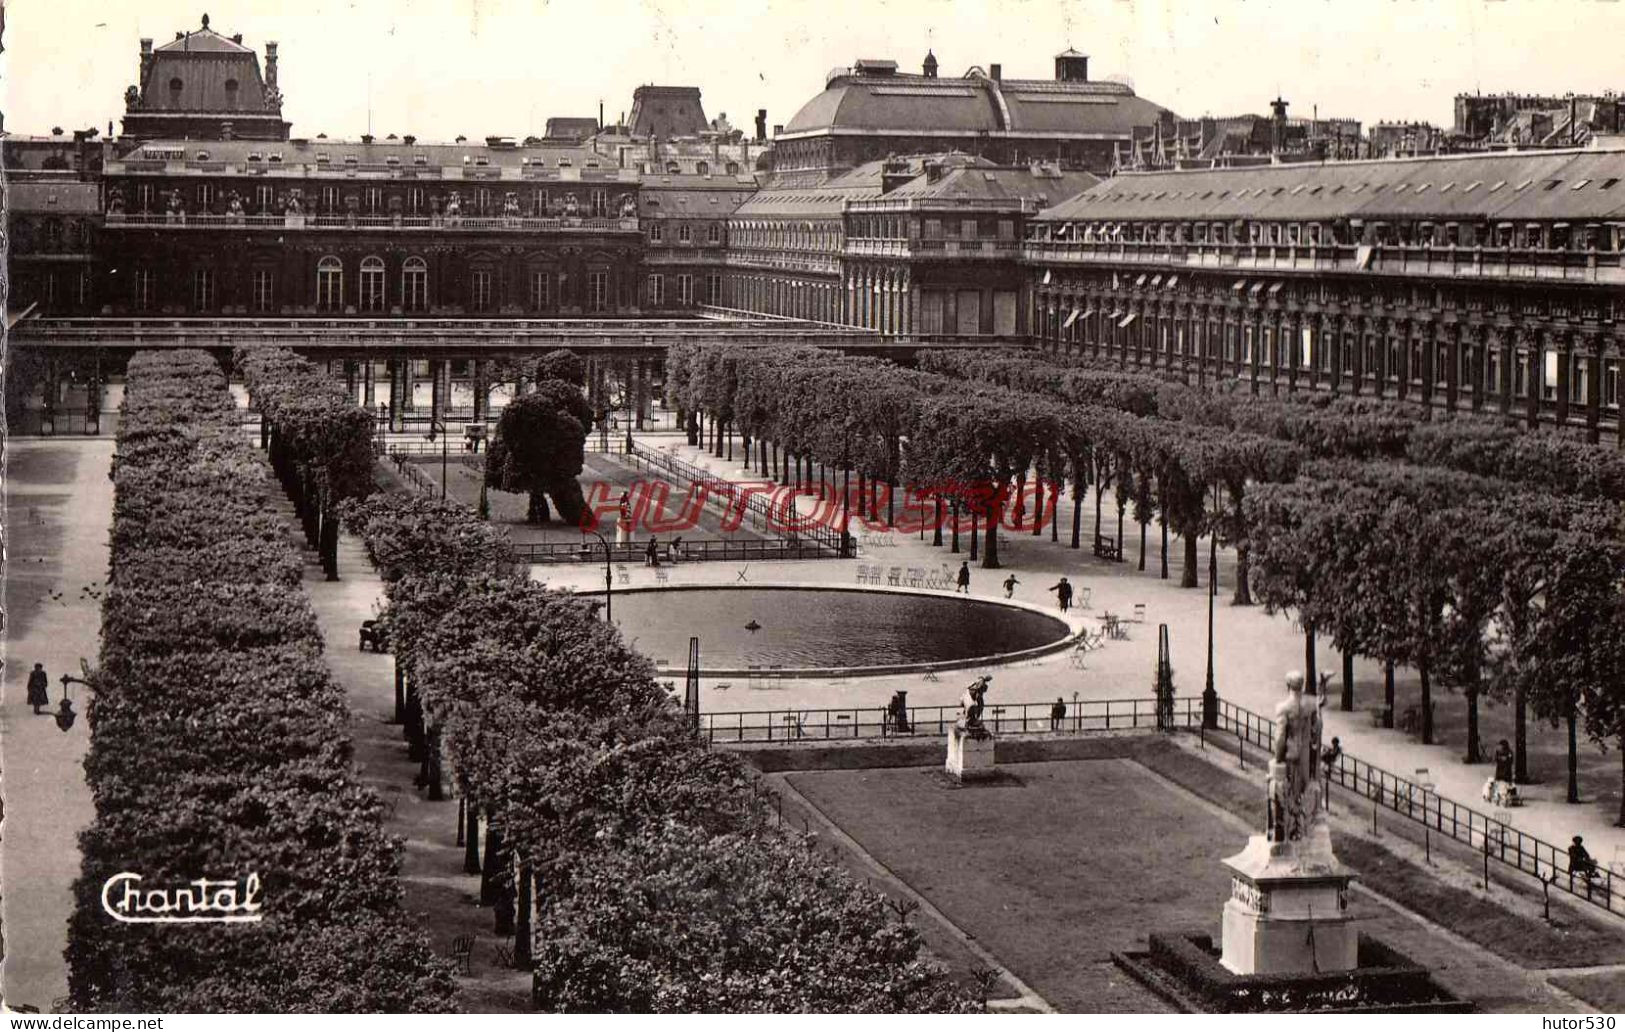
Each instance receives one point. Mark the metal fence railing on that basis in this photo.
(765, 517)
(725, 549)
(792, 725)
(1493, 838)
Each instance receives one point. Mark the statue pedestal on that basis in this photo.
(970, 754)
(1288, 908)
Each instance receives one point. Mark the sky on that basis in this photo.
(442, 68)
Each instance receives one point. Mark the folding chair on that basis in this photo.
(1079, 651)
(1081, 596)
(662, 576)
(462, 953)
(894, 576)
(1139, 612)
(753, 677)
(916, 577)
(622, 575)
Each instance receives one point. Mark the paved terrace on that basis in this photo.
(1254, 650)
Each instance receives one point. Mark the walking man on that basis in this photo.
(1010, 583)
(651, 555)
(39, 688)
(1057, 714)
(1063, 592)
(964, 578)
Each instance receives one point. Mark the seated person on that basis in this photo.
(1580, 861)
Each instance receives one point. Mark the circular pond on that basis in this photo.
(822, 628)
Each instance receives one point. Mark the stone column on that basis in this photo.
(369, 389)
(437, 397)
(482, 389)
(349, 378)
(1535, 380)
(1479, 338)
(1565, 349)
(1452, 372)
(1331, 335)
(1508, 351)
(1593, 360)
(395, 379)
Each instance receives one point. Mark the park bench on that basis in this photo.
(1107, 548)
(373, 637)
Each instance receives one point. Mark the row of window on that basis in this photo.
(685, 289)
(898, 228)
(1239, 344)
(1590, 306)
(822, 235)
(1550, 236)
(684, 233)
(333, 199)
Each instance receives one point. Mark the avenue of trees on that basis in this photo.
(643, 865)
(1487, 558)
(219, 745)
(319, 441)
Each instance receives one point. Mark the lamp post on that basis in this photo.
(1210, 696)
(437, 424)
(586, 550)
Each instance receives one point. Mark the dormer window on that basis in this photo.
(482, 160)
(276, 159)
(564, 163)
(203, 155)
(419, 159)
(255, 156)
(592, 164)
(350, 159)
(392, 161)
(322, 159)
(174, 85)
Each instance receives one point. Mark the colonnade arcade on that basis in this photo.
(1291, 334)
(879, 297)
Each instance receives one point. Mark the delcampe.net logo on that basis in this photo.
(202, 900)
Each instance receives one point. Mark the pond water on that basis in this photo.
(800, 627)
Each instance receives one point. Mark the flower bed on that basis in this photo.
(219, 746)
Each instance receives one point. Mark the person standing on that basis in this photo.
(1503, 762)
(623, 520)
(1010, 583)
(1057, 714)
(674, 549)
(964, 578)
(651, 555)
(39, 688)
(1063, 592)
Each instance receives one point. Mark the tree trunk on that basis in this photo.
(330, 543)
(1573, 720)
(1388, 694)
(1120, 508)
(954, 526)
(1187, 577)
(974, 535)
(1143, 525)
(1348, 681)
(1310, 677)
(1621, 822)
(471, 837)
(1077, 513)
(537, 511)
(1470, 690)
(990, 554)
(1427, 704)
(489, 871)
(1164, 522)
(1021, 500)
(936, 529)
(521, 931)
(1244, 595)
(1038, 507)
(1520, 736)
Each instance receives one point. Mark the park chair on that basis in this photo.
(863, 573)
(894, 576)
(662, 575)
(1079, 651)
(1139, 612)
(916, 577)
(622, 575)
(1081, 596)
(504, 955)
(753, 677)
(373, 637)
(462, 953)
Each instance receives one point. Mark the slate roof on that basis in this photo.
(1509, 186)
(984, 181)
(898, 103)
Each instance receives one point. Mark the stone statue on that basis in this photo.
(454, 205)
(510, 205)
(132, 97)
(629, 206)
(296, 203)
(1294, 793)
(175, 205)
(234, 204)
(115, 201)
(971, 705)
(570, 207)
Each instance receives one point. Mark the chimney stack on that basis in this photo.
(761, 125)
(777, 130)
(146, 60)
(270, 63)
(995, 72)
(1277, 125)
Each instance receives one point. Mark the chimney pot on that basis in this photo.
(778, 129)
(996, 72)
